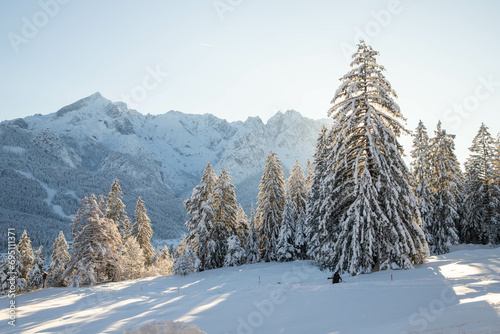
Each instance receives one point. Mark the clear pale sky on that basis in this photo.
(240, 58)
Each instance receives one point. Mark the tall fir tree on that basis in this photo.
(445, 183)
(96, 244)
(132, 259)
(142, 231)
(252, 249)
(315, 218)
(26, 251)
(35, 274)
(115, 209)
(420, 179)
(242, 227)
(285, 246)
(201, 219)
(11, 269)
(225, 211)
(297, 191)
(164, 262)
(368, 216)
(270, 205)
(482, 204)
(59, 260)
(225, 204)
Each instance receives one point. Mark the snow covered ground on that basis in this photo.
(454, 293)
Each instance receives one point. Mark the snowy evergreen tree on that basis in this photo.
(235, 252)
(26, 251)
(315, 226)
(445, 183)
(185, 260)
(242, 227)
(201, 220)
(164, 262)
(270, 206)
(482, 205)
(225, 206)
(252, 249)
(297, 192)
(142, 231)
(286, 239)
(420, 179)
(473, 229)
(59, 260)
(115, 209)
(96, 243)
(35, 274)
(11, 271)
(365, 197)
(225, 210)
(132, 259)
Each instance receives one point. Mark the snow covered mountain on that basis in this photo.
(49, 162)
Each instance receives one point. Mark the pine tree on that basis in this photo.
(242, 227)
(235, 252)
(132, 259)
(297, 192)
(35, 274)
(26, 252)
(473, 220)
(96, 244)
(164, 262)
(185, 260)
(286, 239)
(115, 209)
(482, 212)
(315, 227)
(445, 183)
(225, 210)
(365, 195)
(11, 272)
(252, 249)
(142, 231)
(421, 178)
(59, 260)
(271, 202)
(200, 209)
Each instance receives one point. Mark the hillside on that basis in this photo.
(453, 293)
(49, 162)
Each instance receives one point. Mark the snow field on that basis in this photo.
(454, 293)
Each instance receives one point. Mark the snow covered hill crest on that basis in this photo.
(81, 148)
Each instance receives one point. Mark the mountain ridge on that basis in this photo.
(159, 157)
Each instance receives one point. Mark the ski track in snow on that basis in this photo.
(457, 292)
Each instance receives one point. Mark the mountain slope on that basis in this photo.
(49, 162)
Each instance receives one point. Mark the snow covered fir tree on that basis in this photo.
(446, 187)
(368, 215)
(420, 178)
(270, 206)
(481, 213)
(96, 244)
